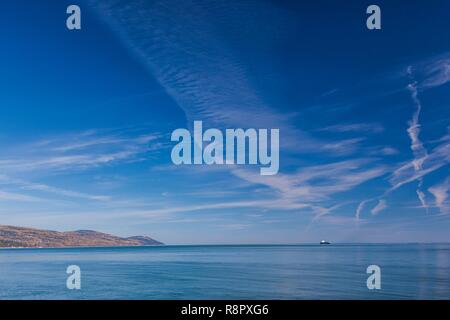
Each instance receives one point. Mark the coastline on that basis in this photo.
(81, 247)
(346, 244)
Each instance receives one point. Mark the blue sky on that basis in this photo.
(86, 118)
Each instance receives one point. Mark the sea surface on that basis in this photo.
(408, 271)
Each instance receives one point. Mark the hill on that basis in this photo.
(11, 236)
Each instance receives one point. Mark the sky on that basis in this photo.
(86, 117)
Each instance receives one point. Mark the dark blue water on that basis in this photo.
(228, 272)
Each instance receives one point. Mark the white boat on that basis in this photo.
(324, 242)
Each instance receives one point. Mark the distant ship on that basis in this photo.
(324, 242)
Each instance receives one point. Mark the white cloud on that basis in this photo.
(316, 182)
(355, 127)
(30, 186)
(410, 171)
(360, 208)
(342, 147)
(436, 72)
(9, 196)
(78, 151)
(381, 205)
(201, 73)
(422, 199)
(440, 193)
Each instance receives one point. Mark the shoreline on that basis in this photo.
(233, 245)
(82, 247)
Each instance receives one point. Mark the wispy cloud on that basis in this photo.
(408, 172)
(208, 81)
(43, 188)
(434, 72)
(315, 186)
(424, 162)
(64, 192)
(205, 77)
(342, 147)
(168, 210)
(355, 127)
(78, 151)
(9, 196)
(360, 208)
(419, 151)
(65, 154)
(317, 182)
(440, 193)
(381, 205)
(235, 226)
(79, 143)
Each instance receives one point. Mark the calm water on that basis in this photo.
(228, 272)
